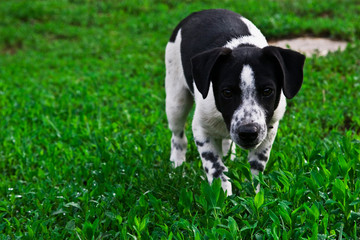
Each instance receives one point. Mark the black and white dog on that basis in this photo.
(222, 61)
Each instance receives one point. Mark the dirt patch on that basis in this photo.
(11, 48)
(310, 46)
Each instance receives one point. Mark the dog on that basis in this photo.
(221, 60)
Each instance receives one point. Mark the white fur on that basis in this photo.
(255, 38)
(178, 100)
(247, 79)
(280, 109)
(207, 115)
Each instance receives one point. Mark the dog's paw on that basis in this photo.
(177, 160)
(226, 186)
(178, 150)
(257, 190)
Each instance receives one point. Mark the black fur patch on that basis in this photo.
(210, 156)
(177, 146)
(206, 30)
(198, 143)
(256, 165)
(262, 157)
(218, 170)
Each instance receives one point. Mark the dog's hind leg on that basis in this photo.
(179, 101)
(178, 106)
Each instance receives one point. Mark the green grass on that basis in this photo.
(84, 144)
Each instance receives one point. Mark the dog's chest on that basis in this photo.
(210, 118)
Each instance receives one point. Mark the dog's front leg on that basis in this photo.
(258, 157)
(210, 150)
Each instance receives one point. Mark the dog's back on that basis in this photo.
(204, 30)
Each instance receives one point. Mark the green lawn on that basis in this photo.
(84, 143)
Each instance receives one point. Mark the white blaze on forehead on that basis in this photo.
(249, 111)
(247, 77)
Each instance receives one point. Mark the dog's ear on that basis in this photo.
(291, 64)
(202, 65)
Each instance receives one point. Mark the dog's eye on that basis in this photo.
(267, 92)
(227, 93)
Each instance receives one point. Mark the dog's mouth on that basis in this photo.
(247, 146)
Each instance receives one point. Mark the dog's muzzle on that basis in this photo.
(247, 135)
(248, 132)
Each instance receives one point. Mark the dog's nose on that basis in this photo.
(248, 132)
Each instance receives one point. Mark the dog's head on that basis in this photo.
(248, 83)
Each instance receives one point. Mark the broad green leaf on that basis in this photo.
(285, 215)
(339, 190)
(156, 203)
(315, 211)
(88, 230)
(274, 231)
(285, 235)
(273, 217)
(233, 226)
(144, 223)
(316, 175)
(70, 225)
(60, 211)
(355, 231)
(248, 225)
(119, 218)
(259, 199)
(314, 231)
(357, 201)
(30, 231)
(109, 214)
(171, 235)
(354, 216)
(224, 233)
(73, 204)
(325, 222)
